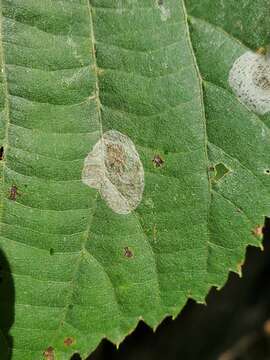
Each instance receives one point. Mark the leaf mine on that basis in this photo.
(165, 12)
(250, 80)
(114, 168)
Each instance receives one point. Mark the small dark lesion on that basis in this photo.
(158, 161)
(127, 252)
(49, 353)
(69, 341)
(13, 192)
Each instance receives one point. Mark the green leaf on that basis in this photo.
(88, 256)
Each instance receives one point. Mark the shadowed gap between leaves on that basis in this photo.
(7, 301)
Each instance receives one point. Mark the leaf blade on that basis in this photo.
(64, 245)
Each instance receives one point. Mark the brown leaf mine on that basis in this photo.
(114, 168)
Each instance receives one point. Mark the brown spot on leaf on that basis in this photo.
(69, 341)
(13, 192)
(127, 252)
(158, 161)
(49, 353)
(258, 231)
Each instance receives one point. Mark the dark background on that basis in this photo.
(232, 326)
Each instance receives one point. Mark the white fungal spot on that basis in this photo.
(250, 80)
(114, 168)
(165, 13)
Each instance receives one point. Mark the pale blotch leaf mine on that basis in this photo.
(250, 80)
(165, 12)
(114, 168)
